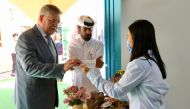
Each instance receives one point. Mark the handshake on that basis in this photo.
(83, 64)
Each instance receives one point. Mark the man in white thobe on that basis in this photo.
(87, 49)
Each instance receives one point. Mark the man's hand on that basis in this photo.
(99, 62)
(71, 63)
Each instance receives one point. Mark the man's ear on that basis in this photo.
(41, 18)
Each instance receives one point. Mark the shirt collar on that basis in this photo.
(41, 31)
(151, 54)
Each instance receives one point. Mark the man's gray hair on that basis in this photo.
(49, 8)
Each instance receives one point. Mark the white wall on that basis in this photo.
(171, 19)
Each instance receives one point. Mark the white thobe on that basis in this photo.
(86, 51)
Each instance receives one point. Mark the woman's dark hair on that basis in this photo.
(143, 35)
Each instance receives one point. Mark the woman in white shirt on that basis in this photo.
(143, 82)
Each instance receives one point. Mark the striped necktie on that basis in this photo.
(48, 40)
(50, 45)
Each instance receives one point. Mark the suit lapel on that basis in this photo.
(44, 44)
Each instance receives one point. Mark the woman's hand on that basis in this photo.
(84, 68)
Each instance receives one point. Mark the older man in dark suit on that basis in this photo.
(37, 68)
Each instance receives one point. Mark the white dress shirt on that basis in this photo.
(141, 83)
(86, 51)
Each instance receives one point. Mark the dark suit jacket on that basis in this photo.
(37, 71)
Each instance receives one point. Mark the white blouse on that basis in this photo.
(142, 84)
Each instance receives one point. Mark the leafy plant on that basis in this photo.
(75, 95)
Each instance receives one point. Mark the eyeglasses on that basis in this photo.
(54, 21)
